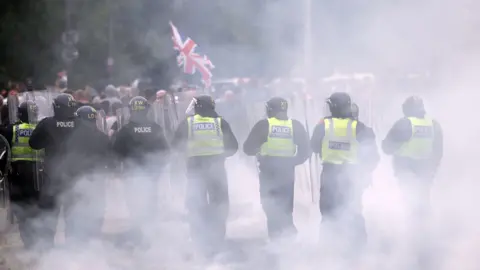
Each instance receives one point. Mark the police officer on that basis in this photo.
(416, 144)
(143, 149)
(207, 140)
(280, 144)
(25, 185)
(348, 152)
(84, 203)
(53, 134)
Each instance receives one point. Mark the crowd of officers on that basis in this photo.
(72, 150)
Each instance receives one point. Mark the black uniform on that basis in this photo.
(85, 207)
(144, 150)
(342, 185)
(24, 192)
(207, 189)
(277, 174)
(63, 164)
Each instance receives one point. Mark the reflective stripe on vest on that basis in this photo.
(340, 144)
(420, 144)
(280, 139)
(20, 148)
(205, 136)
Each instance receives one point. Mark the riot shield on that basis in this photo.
(33, 118)
(122, 116)
(5, 159)
(165, 114)
(12, 103)
(43, 99)
(102, 121)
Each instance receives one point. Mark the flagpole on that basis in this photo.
(307, 42)
(307, 73)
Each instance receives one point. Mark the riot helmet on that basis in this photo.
(275, 106)
(339, 104)
(28, 112)
(355, 111)
(204, 103)
(64, 106)
(201, 104)
(413, 107)
(138, 107)
(87, 114)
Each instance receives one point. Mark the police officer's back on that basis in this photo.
(340, 139)
(207, 121)
(91, 146)
(280, 143)
(25, 182)
(278, 140)
(415, 141)
(140, 137)
(23, 158)
(53, 134)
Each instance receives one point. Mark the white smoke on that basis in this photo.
(406, 36)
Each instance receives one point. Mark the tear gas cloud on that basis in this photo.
(378, 37)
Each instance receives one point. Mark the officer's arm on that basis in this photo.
(7, 132)
(300, 138)
(121, 143)
(397, 136)
(368, 153)
(40, 136)
(229, 140)
(181, 135)
(161, 141)
(317, 137)
(437, 144)
(258, 136)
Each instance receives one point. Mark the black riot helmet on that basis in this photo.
(275, 106)
(64, 106)
(203, 104)
(413, 107)
(87, 114)
(28, 112)
(138, 108)
(355, 111)
(339, 104)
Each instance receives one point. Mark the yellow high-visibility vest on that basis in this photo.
(20, 148)
(420, 144)
(340, 144)
(280, 139)
(205, 136)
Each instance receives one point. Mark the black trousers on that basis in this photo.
(207, 200)
(83, 201)
(25, 201)
(277, 195)
(341, 202)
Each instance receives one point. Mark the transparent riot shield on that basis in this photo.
(122, 116)
(33, 118)
(12, 103)
(164, 113)
(43, 99)
(5, 159)
(102, 121)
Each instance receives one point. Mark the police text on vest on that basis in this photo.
(204, 126)
(142, 129)
(25, 132)
(69, 124)
(281, 131)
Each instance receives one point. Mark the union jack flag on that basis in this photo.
(189, 59)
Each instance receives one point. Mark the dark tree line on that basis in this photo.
(135, 33)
